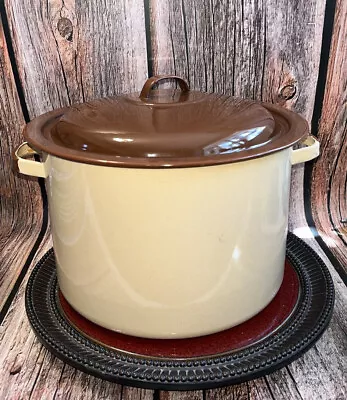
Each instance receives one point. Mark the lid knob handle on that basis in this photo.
(151, 82)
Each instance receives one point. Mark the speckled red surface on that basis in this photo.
(240, 336)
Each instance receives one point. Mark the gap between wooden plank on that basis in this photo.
(328, 189)
(317, 113)
(29, 260)
(21, 205)
(7, 34)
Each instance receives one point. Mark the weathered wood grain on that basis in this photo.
(70, 51)
(249, 49)
(20, 199)
(329, 189)
(191, 395)
(16, 336)
(326, 359)
(256, 389)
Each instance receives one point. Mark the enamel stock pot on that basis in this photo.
(169, 208)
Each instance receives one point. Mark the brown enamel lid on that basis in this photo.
(165, 128)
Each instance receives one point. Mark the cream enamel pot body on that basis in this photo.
(169, 252)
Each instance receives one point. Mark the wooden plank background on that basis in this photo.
(21, 214)
(58, 52)
(329, 184)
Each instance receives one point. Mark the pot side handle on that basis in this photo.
(307, 153)
(28, 167)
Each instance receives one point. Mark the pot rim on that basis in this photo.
(294, 129)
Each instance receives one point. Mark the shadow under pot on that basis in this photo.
(169, 208)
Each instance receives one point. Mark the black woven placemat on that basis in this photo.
(303, 328)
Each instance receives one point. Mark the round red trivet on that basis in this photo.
(251, 331)
(283, 331)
